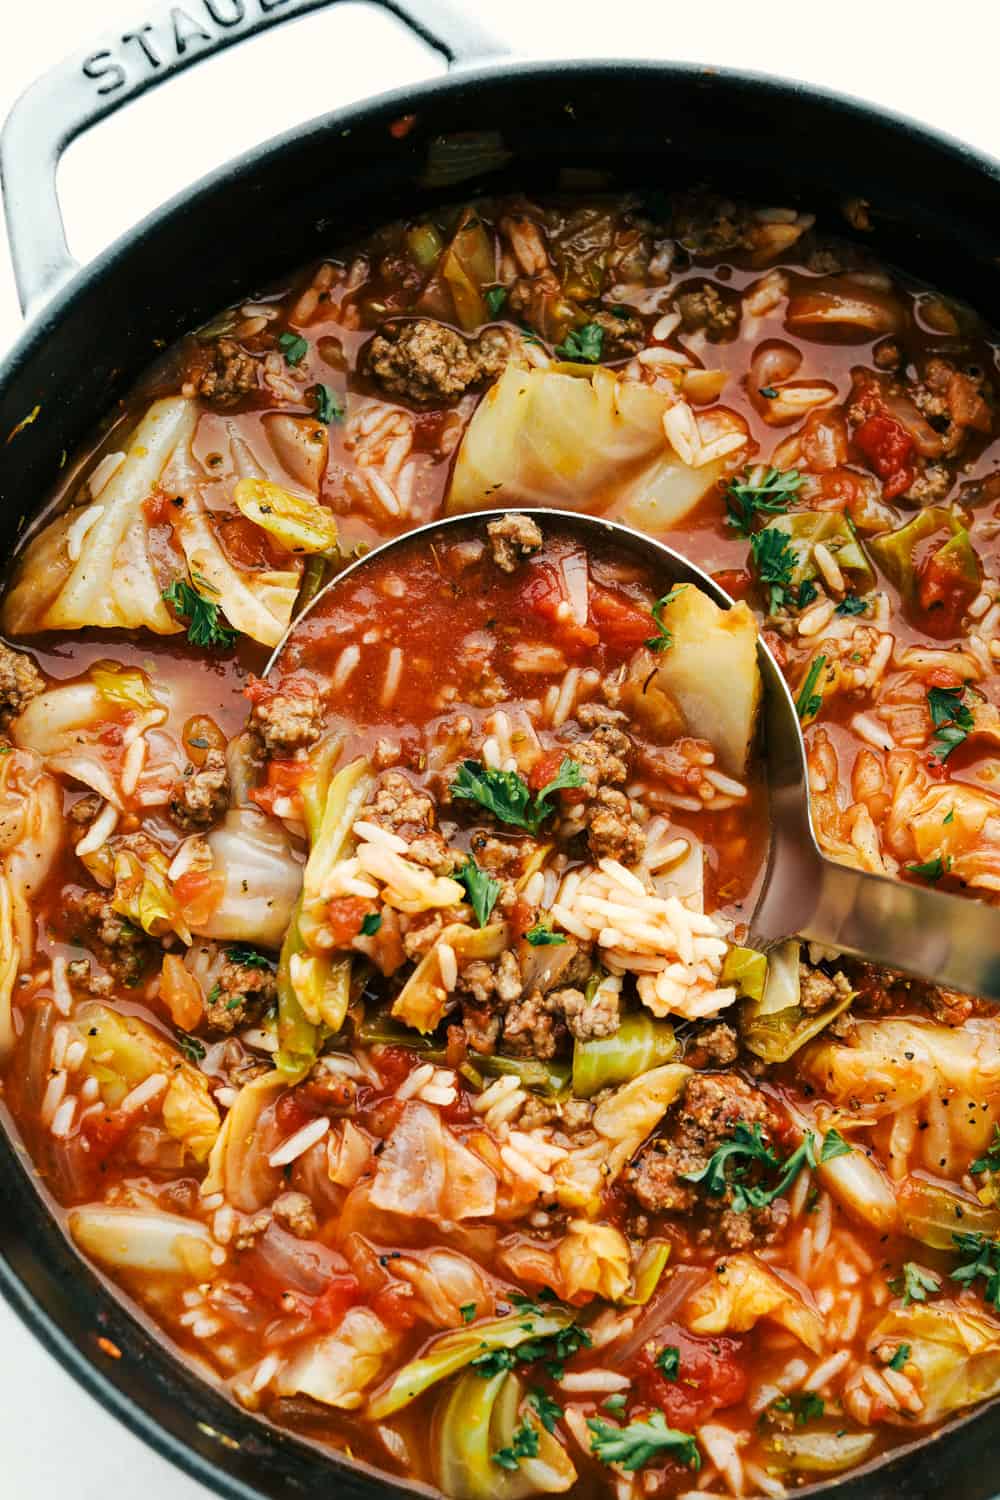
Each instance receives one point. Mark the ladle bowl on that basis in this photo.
(925, 933)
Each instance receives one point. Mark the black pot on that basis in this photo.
(934, 209)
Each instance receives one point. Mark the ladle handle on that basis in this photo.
(927, 933)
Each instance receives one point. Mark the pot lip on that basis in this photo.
(490, 71)
(33, 1313)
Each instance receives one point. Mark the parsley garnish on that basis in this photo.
(932, 869)
(900, 1357)
(541, 936)
(768, 392)
(481, 889)
(833, 1146)
(371, 923)
(663, 640)
(728, 1165)
(985, 1262)
(760, 492)
(804, 1408)
(746, 1144)
(506, 794)
(806, 593)
(238, 953)
(554, 1349)
(632, 1446)
(495, 297)
(952, 720)
(294, 347)
(809, 702)
(468, 1311)
(949, 816)
(914, 1284)
(329, 407)
(775, 561)
(493, 1361)
(851, 605)
(549, 1411)
(991, 1161)
(193, 1049)
(203, 617)
(668, 1361)
(524, 1444)
(583, 344)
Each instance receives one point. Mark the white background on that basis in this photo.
(938, 63)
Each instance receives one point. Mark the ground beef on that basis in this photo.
(624, 333)
(288, 720)
(294, 1212)
(930, 486)
(82, 977)
(817, 989)
(714, 1047)
(705, 1116)
(240, 993)
(585, 1018)
(532, 1028)
(428, 363)
(512, 538)
(879, 993)
(709, 225)
(20, 681)
(612, 832)
(400, 808)
(202, 793)
(221, 372)
(119, 947)
(706, 309)
(589, 715)
(84, 810)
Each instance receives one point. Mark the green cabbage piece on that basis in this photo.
(895, 551)
(805, 529)
(775, 1026)
(957, 1352)
(639, 1044)
(934, 1212)
(478, 1418)
(819, 1451)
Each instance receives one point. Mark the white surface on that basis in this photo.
(937, 65)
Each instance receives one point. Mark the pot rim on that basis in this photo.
(82, 1366)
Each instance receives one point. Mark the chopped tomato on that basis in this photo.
(522, 917)
(198, 894)
(710, 1376)
(330, 1306)
(247, 545)
(160, 508)
(622, 625)
(944, 591)
(284, 784)
(889, 449)
(393, 1304)
(943, 677)
(394, 1064)
(344, 916)
(737, 582)
(546, 769)
(543, 595)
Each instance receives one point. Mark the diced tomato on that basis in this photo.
(459, 1113)
(341, 1293)
(198, 894)
(344, 916)
(522, 917)
(943, 677)
(737, 582)
(622, 625)
(247, 545)
(107, 1129)
(160, 508)
(543, 595)
(889, 449)
(284, 784)
(944, 592)
(710, 1376)
(394, 1064)
(393, 1304)
(546, 769)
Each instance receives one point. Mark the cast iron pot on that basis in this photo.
(935, 210)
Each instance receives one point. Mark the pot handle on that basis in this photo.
(91, 84)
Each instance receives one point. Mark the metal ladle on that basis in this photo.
(920, 931)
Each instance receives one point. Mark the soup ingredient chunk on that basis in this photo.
(20, 681)
(426, 362)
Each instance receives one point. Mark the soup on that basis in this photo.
(388, 1027)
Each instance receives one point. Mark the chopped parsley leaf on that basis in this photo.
(549, 1411)
(506, 794)
(495, 297)
(239, 953)
(774, 560)
(542, 936)
(524, 1444)
(371, 923)
(952, 720)
(730, 1162)
(493, 1361)
(768, 392)
(663, 640)
(804, 1408)
(991, 1161)
(834, 1145)
(914, 1284)
(900, 1357)
(932, 869)
(806, 594)
(985, 1262)
(583, 344)
(329, 406)
(745, 1145)
(668, 1361)
(809, 702)
(205, 627)
(193, 1049)
(633, 1446)
(851, 605)
(949, 816)
(481, 889)
(760, 492)
(294, 347)
(468, 1311)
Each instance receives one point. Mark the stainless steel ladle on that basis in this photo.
(922, 932)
